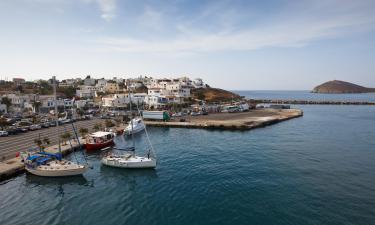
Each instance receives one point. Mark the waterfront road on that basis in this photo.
(23, 141)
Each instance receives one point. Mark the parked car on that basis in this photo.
(12, 130)
(195, 113)
(35, 127)
(179, 114)
(45, 125)
(3, 133)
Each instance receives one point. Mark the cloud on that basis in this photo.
(296, 27)
(107, 8)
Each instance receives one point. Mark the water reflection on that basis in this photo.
(56, 181)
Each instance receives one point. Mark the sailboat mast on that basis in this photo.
(131, 121)
(56, 111)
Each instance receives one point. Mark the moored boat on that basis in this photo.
(136, 125)
(130, 160)
(52, 165)
(99, 140)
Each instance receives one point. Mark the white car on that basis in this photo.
(35, 127)
(3, 133)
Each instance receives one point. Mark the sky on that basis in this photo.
(234, 44)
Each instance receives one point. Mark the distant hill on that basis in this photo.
(214, 94)
(341, 87)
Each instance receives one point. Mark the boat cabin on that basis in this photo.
(99, 137)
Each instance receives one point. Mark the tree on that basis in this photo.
(80, 112)
(3, 122)
(83, 131)
(46, 140)
(118, 121)
(97, 127)
(6, 101)
(200, 95)
(109, 123)
(65, 136)
(36, 105)
(39, 143)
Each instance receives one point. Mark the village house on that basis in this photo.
(85, 91)
(88, 81)
(18, 81)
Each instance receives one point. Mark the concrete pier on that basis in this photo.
(232, 121)
(309, 102)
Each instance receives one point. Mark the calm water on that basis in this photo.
(306, 95)
(318, 169)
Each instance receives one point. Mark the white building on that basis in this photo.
(85, 91)
(88, 81)
(198, 83)
(122, 100)
(3, 108)
(102, 83)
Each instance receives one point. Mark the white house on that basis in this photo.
(101, 84)
(88, 81)
(3, 108)
(85, 91)
(198, 83)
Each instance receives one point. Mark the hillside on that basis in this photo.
(341, 87)
(213, 94)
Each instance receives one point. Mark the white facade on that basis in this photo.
(3, 108)
(122, 100)
(85, 91)
(88, 81)
(101, 84)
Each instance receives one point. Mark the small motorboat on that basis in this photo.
(99, 140)
(136, 125)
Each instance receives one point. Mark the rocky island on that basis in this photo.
(341, 87)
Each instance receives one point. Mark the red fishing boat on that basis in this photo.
(99, 140)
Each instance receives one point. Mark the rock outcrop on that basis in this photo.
(341, 87)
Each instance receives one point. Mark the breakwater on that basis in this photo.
(308, 102)
(233, 121)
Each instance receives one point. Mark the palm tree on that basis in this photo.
(3, 122)
(39, 143)
(109, 123)
(83, 131)
(36, 106)
(97, 127)
(65, 137)
(6, 101)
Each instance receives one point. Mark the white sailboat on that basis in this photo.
(52, 165)
(131, 160)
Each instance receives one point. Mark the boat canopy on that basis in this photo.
(32, 157)
(54, 155)
(42, 160)
(100, 134)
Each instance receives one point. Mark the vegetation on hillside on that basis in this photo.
(214, 95)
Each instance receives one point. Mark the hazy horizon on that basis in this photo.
(235, 45)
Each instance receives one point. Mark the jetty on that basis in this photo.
(15, 166)
(308, 102)
(232, 121)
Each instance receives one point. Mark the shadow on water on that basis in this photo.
(128, 173)
(56, 181)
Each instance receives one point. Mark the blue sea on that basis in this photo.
(306, 95)
(316, 169)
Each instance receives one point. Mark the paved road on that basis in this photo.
(23, 141)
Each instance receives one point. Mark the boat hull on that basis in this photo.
(97, 146)
(130, 164)
(57, 173)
